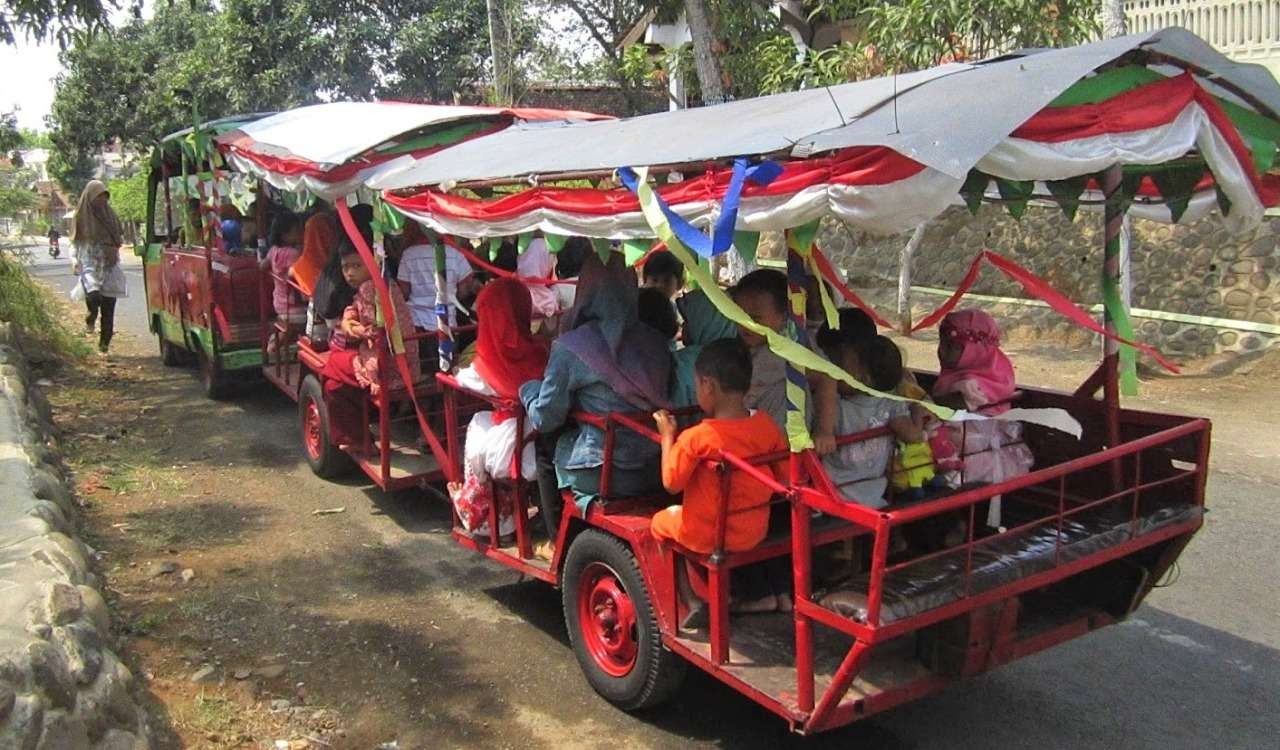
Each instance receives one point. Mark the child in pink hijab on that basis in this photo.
(976, 375)
(973, 367)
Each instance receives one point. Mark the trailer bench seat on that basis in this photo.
(940, 580)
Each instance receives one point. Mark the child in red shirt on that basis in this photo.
(722, 375)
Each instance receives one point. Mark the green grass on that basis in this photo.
(213, 713)
(144, 624)
(33, 307)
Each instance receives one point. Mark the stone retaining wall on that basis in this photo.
(1195, 269)
(61, 686)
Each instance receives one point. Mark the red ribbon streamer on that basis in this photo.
(970, 277)
(1042, 290)
(484, 265)
(829, 273)
(389, 317)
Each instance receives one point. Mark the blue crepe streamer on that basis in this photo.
(721, 238)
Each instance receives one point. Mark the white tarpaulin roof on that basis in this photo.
(323, 149)
(330, 134)
(946, 117)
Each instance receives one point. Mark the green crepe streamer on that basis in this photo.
(523, 242)
(495, 244)
(1115, 307)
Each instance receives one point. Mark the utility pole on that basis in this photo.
(500, 49)
(702, 30)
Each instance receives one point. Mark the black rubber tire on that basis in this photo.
(329, 462)
(170, 355)
(212, 380)
(658, 673)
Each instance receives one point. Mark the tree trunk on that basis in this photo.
(1113, 20)
(904, 278)
(701, 29)
(500, 49)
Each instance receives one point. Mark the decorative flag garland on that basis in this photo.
(1042, 290)
(794, 353)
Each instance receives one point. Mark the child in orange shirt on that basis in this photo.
(722, 375)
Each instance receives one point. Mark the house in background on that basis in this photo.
(1244, 30)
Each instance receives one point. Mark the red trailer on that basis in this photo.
(1087, 533)
(214, 305)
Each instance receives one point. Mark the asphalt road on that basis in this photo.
(1198, 666)
(131, 312)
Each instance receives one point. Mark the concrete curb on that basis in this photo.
(61, 686)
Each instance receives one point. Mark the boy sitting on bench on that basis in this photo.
(722, 375)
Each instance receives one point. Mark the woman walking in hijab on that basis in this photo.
(606, 361)
(96, 239)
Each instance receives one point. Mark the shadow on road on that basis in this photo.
(1202, 679)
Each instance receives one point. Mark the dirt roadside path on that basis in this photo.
(371, 626)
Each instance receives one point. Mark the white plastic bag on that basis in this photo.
(77, 292)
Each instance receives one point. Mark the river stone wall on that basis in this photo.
(61, 687)
(1195, 269)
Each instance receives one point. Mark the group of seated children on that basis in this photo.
(736, 390)
(624, 348)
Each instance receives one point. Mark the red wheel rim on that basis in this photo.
(607, 619)
(312, 434)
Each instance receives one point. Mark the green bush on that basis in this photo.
(34, 308)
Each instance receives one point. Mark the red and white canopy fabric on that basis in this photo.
(862, 185)
(330, 150)
(880, 190)
(1154, 124)
(886, 158)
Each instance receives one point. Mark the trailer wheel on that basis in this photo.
(212, 380)
(324, 458)
(613, 627)
(170, 355)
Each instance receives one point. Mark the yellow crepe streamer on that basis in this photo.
(781, 345)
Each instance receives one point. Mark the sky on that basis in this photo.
(31, 91)
(27, 83)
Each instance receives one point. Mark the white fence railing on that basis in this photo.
(1245, 30)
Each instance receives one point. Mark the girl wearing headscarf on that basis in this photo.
(606, 361)
(352, 370)
(976, 375)
(507, 356)
(703, 324)
(320, 238)
(96, 237)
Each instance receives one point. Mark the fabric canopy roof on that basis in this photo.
(946, 118)
(1026, 121)
(331, 149)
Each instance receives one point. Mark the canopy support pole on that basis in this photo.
(800, 550)
(444, 333)
(904, 278)
(1113, 225)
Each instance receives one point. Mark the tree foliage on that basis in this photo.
(129, 197)
(141, 81)
(916, 34)
(10, 136)
(49, 19)
(16, 194)
(870, 38)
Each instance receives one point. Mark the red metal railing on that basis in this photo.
(808, 489)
